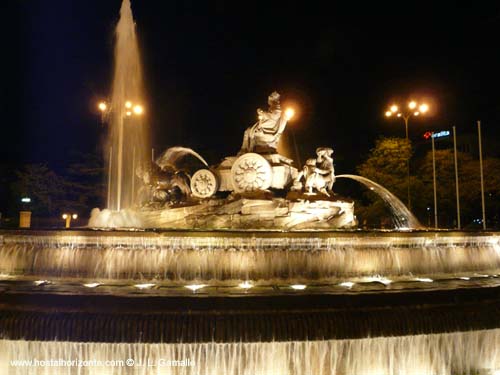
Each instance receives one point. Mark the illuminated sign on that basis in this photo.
(442, 133)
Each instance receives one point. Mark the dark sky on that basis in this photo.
(209, 64)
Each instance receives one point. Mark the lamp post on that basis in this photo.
(68, 217)
(128, 110)
(413, 109)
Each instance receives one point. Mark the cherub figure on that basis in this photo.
(318, 174)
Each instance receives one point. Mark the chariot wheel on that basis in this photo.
(251, 172)
(204, 183)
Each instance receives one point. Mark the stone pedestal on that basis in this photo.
(255, 213)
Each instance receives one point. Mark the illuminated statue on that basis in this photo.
(264, 135)
(162, 185)
(317, 174)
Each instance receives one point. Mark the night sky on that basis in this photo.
(209, 65)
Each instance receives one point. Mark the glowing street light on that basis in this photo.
(394, 110)
(102, 106)
(138, 109)
(406, 114)
(68, 218)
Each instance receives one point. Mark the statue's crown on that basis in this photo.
(274, 96)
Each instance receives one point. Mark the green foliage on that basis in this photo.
(387, 166)
(469, 185)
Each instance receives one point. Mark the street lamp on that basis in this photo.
(128, 110)
(412, 109)
(68, 218)
(105, 110)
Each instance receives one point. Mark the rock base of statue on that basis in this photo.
(296, 212)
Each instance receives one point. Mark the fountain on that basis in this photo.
(127, 141)
(250, 266)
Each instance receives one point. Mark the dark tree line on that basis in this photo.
(386, 165)
(77, 187)
(80, 186)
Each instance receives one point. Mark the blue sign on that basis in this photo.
(442, 133)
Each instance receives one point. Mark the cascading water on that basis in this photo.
(170, 157)
(402, 216)
(128, 133)
(474, 352)
(224, 258)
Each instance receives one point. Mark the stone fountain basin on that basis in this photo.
(226, 258)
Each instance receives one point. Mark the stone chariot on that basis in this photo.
(258, 166)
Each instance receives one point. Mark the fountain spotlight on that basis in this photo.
(289, 113)
(195, 287)
(298, 286)
(246, 285)
(102, 106)
(424, 279)
(91, 285)
(41, 282)
(144, 286)
(377, 279)
(128, 104)
(347, 284)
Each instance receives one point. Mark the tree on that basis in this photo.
(387, 166)
(84, 182)
(78, 188)
(469, 183)
(42, 185)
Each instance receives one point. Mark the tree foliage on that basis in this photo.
(42, 185)
(469, 186)
(77, 188)
(386, 165)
